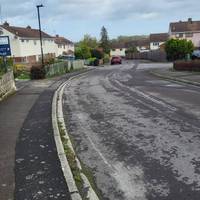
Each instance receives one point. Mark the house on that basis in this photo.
(141, 45)
(118, 49)
(189, 30)
(25, 43)
(63, 46)
(157, 40)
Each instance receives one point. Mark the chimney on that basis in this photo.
(190, 20)
(57, 35)
(6, 23)
(28, 27)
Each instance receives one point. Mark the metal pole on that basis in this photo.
(38, 10)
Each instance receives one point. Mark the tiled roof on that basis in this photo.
(25, 32)
(188, 26)
(62, 40)
(159, 37)
(138, 43)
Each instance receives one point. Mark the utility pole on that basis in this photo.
(38, 11)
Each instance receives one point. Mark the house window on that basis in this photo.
(22, 40)
(155, 43)
(189, 35)
(27, 41)
(180, 35)
(35, 42)
(113, 49)
(121, 49)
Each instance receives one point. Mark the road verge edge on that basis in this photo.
(65, 149)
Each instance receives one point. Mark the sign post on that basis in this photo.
(5, 49)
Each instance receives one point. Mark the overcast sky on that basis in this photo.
(74, 18)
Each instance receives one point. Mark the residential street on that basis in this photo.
(137, 133)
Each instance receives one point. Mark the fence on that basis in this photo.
(63, 67)
(7, 84)
(156, 55)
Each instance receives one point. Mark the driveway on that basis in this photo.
(138, 134)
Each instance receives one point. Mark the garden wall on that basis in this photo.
(7, 84)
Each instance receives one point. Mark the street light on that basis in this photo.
(38, 11)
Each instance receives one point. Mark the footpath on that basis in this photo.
(192, 78)
(29, 163)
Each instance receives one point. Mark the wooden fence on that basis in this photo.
(156, 55)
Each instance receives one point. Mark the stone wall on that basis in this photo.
(7, 84)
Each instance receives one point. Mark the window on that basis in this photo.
(113, 49)
(27, 41)
(121, 49)
(155, 43)
(22, 40)
(180, 35)
(189, 35)
(35, 42)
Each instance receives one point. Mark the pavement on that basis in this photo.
(181, 76)
(137, 133)
(29, 167)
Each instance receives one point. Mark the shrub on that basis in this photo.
(178, 49)
(96, 62)
(193, 65)
(37, 72)
(90, 61)
(96, 53)
(106, 59)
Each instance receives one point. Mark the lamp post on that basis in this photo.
(38, 11)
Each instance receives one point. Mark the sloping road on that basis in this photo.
(139, 135)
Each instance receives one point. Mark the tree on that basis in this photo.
(132, 50)
(89, 41)
(82, 52)
(104, 42)
(178, 49)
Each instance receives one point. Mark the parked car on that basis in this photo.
(66, 57)
(116, 60)
(196, 54)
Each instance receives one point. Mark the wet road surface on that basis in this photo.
(138, 134)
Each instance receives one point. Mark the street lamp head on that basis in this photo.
(40, 6)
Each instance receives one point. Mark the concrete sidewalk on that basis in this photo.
(29, 164)
(192, 78)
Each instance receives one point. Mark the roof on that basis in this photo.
(159, 37)
(187, 26)
(62, 40)
(27, 32)
(138, 43)
(118, 45)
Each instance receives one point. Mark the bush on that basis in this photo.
(178, 49)
(193, 65)
(37, 72)
(106, 59)
(96, 62)
(90, 61)
(96, 53)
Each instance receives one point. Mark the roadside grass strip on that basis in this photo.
(79, 179)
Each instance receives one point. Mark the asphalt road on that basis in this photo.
(138, 134)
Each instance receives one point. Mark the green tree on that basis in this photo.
(89, 41)
(104, 42)
(178, 49)
(82, 52)
(131, 50)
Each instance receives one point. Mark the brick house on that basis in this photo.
(157, 40)
(189, 30)
(25, 43)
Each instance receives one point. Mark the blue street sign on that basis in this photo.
(5, 46)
